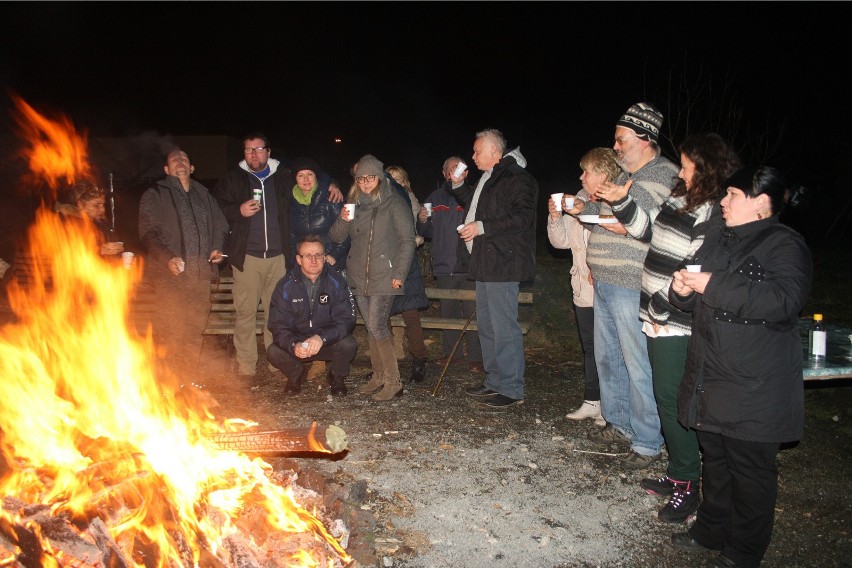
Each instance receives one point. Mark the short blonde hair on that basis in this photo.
(601, 161)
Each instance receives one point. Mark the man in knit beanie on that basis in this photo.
(616, 260)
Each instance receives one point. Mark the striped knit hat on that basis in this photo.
(644, 120)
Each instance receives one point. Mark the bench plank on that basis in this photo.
(222, 317)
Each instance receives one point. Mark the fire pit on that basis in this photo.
(102, 463)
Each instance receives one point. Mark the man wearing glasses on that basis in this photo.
(255, 200)
(311, 318)
(616, 260)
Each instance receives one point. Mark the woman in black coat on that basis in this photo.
(742, 390)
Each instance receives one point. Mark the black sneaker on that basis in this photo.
(663, 486)
(500, 401)
(481, 390)
(683, 503)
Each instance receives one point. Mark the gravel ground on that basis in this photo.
(451, 482)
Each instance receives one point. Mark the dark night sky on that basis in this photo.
(412, 82)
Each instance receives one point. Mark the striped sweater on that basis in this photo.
(674, 237)
(618, 259)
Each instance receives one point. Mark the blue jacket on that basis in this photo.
(291, 319)
(449, 253)
(316, 218)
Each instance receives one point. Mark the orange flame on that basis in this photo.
(88, 432)
(56, 151)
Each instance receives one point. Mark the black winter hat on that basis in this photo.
(304, 163)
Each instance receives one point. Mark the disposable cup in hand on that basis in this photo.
(351, 208)
(693, 268)
(569, 203)
(428, 207)
(460, 168)
(258, 194)
(557, 199)
(181, 265)
(127, 259)
(459, 228)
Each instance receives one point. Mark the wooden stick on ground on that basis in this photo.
(453, 352)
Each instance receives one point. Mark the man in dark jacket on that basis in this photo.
(311, 318)
(499, 231)
(450, 260)
(182, 230)
(255, 199)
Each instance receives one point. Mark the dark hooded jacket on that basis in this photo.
(507, 210)
(743, 375)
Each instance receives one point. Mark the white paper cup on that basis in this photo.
(351, 208)
(557, 199)
(460, 168)
(459, 228)
(428, 207)
(569, 203)
(257, 194)
(693, 268)
(127, 259)
(181, 265)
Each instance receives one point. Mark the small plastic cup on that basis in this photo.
(693, 268)
(127, 259)
(351, 208)
(181, 265)
(557, 199)
(460, 168)
(428, 207)
(569, 203)
(257, 194)
(459, 228)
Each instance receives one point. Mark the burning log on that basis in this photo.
(294, 440)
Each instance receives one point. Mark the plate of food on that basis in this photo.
(597, 219)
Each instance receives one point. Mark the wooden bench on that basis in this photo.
(222, 315)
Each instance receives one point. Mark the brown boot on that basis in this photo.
(392, 386)
(378, 375)
(376, 382)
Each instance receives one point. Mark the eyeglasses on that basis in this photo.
(620, 140)
(317, 257)
(257, 150)
(365, 179)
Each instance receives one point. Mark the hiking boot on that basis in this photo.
(418, 370)
(294, 385)
(609, 434)
(638, 461)
(663, 486)
(682, 504)
(338, 384)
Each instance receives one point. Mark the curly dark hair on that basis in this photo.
(714, 161)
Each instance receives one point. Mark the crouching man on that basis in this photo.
(311, 317)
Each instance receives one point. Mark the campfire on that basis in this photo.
(104, 464)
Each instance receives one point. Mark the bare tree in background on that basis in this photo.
(697, 101)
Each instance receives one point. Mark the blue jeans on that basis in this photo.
(624, 369)
(500, 337)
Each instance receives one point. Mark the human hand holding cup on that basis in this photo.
(557, 202)
(349, 214)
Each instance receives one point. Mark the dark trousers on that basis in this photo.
(740, 488)
(458, 309)
(340, 355)
(586, 328)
